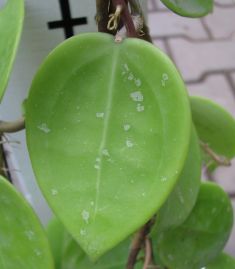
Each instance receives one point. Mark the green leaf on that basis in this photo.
(214, 125)
(183, 198)
(108, 128)
(69, 255)
(223, 261)
(23, 243)
(203, 235)
(190, 8)
(56, 234)
(11, 22)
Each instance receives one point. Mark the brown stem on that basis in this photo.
(2, 172)
(103, 8)
(126, 17)
(3, 163)
(12, 127)
(218, 159)
(148, 253)
(136, 10)
(137, 243)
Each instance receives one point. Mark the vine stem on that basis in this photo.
(137, 11)
(218, 159)
(103, 8)
(12, 127)
(126, 17)
(137, 243)
(148, 253)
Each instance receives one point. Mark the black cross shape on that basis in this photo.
(67, 21)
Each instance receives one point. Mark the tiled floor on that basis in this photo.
(204, 51)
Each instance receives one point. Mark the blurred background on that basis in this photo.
(203, 49)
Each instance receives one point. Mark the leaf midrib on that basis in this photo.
(107, 110)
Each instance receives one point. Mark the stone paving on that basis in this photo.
(204, 51)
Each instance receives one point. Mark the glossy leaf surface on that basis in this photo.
(214, 125)
(69, 255)
(190, 8)
(223, 261)
(183, 198)
(23, 243)
(203, 235)
(107, 131)
(11, 22)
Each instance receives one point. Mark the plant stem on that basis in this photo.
(103, 7)
(12, 127)
(126, 17)
(148, 253)
(137, 243)
(136, 10)
(218, 159)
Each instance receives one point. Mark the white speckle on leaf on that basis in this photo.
(92, 203)
(126, 67)
(43, 127)
(138, 82)
(126, 127)
(164, 79)
(98, 159)
(85, 215)
(82, 232)
(77, 107)
(143, 194)
(129, 143)
(165, 76)
(99, 114)
(163, 179)
(30, 234)
(37, 252)
(213, 211)
(139, 108)
(97, 166)
(137, 96)
(181, 199)
(132, 181)
(105, 152)
(54, 192)
(170, 257)
(130, 76)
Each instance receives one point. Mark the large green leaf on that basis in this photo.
(183, 198)
(23, 243)
(11, 22)
(214, 125)
(190, 8)
(223, 261)
(69, 255)
(108, 128)
(203, 235)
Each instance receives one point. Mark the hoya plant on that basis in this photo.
(117, 147)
